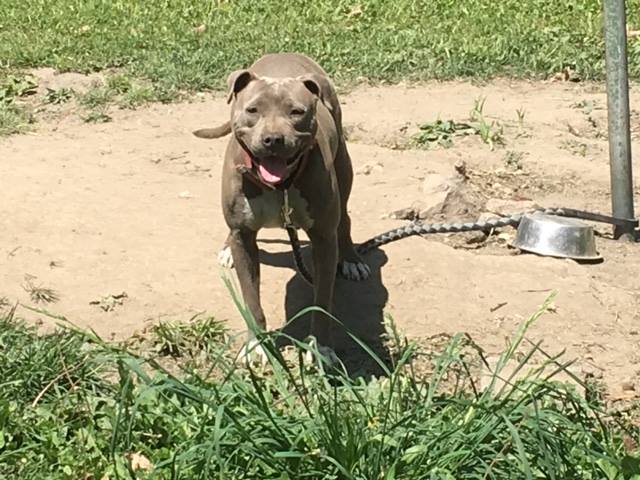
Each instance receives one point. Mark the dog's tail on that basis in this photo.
(215, 132)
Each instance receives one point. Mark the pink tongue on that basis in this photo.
(272, 169)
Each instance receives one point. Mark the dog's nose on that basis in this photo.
(273, 140)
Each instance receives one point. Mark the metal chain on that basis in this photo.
(297, 254)
(419, 228)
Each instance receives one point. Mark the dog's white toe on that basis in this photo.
(224, 258)
(252, 353)
(355, 271)
(327, 355)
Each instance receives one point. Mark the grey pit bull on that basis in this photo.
(287, 141)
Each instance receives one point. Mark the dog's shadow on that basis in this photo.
(358, 305)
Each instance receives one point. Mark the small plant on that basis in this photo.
(441, 132)
(491, 133)
(575, 147)
(521, 112)
(59, 96)
(14, 118)
(12, 87)
(166, 93)
(178, 339)
(40, 294)
(137, 95)
(97, 96)
(4, 303)
(119, 84)
(587, 106)
(97, 116)
(513, 159)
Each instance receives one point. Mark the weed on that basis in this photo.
(119, 84)
(136, 96)
(521, 112)
(587, 106)
(98, 115)
(575, 147)
(14, 118)
(167, 93)
(124, 91)
(179, 339)
(491, 133)
(59, 96)
(13, 86)
(40, 294)
(98, 95)
(440, 133)
(513, 159)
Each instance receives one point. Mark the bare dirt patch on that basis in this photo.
(131, 210)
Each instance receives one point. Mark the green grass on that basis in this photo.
(72, 406)
(15, 117)
(194, 45)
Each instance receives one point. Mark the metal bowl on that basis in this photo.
(555, 236)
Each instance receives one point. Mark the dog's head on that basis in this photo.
(274, 119)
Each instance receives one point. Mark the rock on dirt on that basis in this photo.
(504, 208)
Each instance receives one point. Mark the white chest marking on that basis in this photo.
(265, 211)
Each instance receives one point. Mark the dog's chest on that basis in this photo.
(267, 210)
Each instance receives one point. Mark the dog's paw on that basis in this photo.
(326, 355)
(355, 271)
(224, 258)
(253, 353)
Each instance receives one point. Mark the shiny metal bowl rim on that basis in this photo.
(539, 217)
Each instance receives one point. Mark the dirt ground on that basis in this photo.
(132, 206)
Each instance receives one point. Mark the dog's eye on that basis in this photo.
(297, 112)
(251, 110)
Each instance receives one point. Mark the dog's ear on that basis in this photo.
(320, 86)
(237, 81)
(314, 84)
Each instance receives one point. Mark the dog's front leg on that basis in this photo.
(325, 259)
(244, 251)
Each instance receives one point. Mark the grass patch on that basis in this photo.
(14, 119)
(194, 45)
(125, 92)
(15, 116)
(72, 406)
(98, 115)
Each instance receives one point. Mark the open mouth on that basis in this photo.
(272, 169)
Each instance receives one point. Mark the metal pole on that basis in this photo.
(615, 35)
